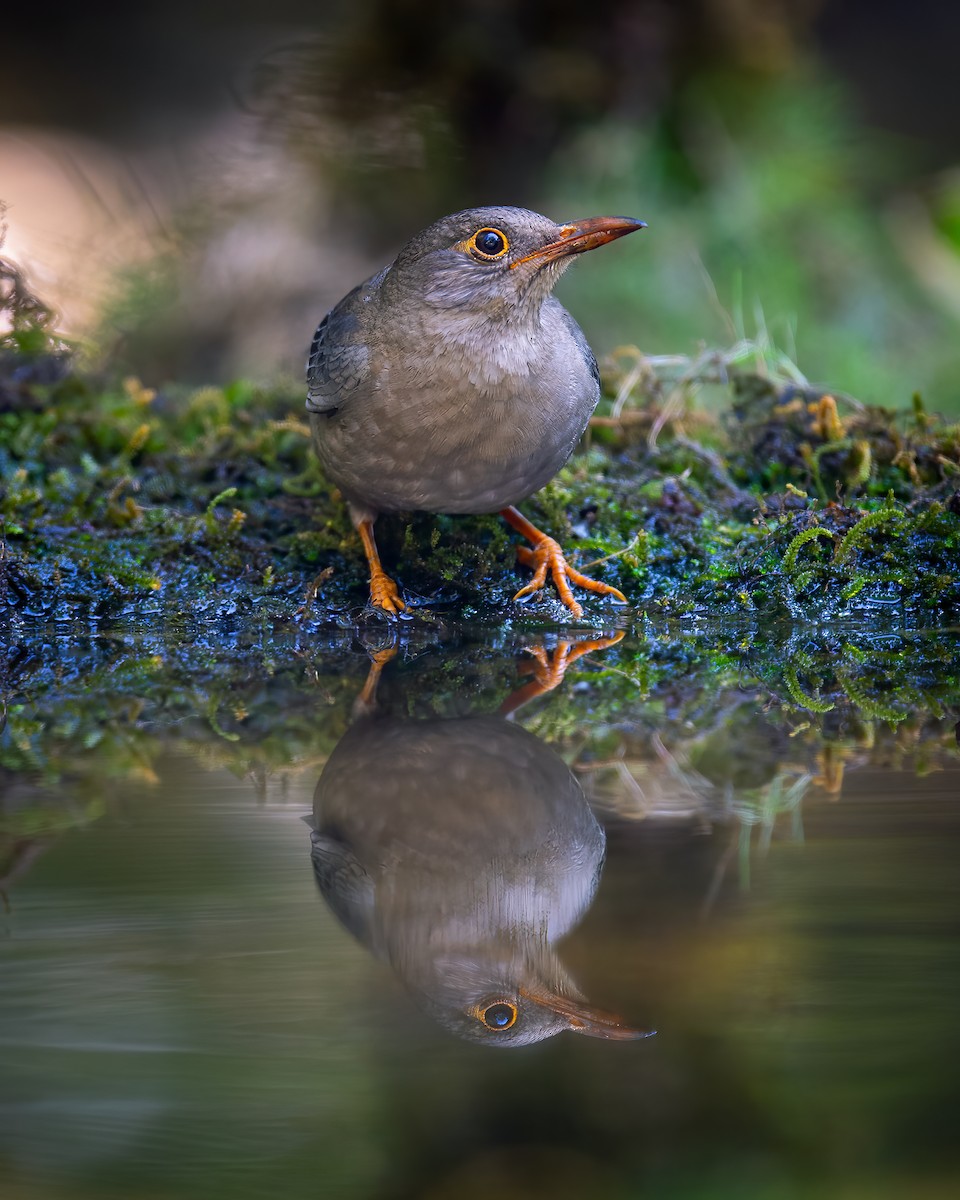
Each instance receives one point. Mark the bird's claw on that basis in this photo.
(385, 595)
(547, 555)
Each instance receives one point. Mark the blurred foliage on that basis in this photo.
(772, 213)
(32, 352)
(419, 108)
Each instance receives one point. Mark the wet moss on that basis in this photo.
(118, 499)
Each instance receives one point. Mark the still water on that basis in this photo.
(324, 928)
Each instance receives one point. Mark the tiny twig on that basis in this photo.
(615, 554)
(311, 594)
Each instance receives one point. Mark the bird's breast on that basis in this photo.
(461, 423)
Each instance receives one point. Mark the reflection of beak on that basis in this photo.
(583, 235)
(583, 1018)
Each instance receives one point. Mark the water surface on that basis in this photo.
(210, 987)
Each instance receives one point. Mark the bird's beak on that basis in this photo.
(578, 236)
(584, 1018)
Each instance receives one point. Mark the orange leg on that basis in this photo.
(548, 672)
(383, 591)
(546, 555)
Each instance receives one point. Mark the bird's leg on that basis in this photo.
(546, 555)
(548, 670)
(384, 593)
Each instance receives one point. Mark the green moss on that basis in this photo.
(122, 501)
(861, 535)
(789, 561)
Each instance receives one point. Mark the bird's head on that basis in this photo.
(514, 1000)
(497, 261)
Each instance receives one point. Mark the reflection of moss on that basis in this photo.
(261, 700)
(797, 694)
(46, 817)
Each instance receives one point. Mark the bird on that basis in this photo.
(458, 850)
(453, 381)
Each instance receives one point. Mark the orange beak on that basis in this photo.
(584, 1018)
(583, 235)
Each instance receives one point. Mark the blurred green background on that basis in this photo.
(192, 185)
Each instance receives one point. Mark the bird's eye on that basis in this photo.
(499, 1016)
(489, 244)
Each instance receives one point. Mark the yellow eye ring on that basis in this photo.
(499, 1015)
(488, 244)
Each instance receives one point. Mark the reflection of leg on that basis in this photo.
(548, 670)
(384, 593)
(366, 702)
(547, 555)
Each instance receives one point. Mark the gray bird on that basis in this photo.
(454, 382)
(459, 851)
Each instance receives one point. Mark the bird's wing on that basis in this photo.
(344, 883)
(339, 359)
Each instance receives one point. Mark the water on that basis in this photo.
(193, 1006)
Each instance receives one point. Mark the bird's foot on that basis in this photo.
(385, 595)
(545, 556)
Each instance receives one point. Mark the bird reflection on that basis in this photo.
(459, 851)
